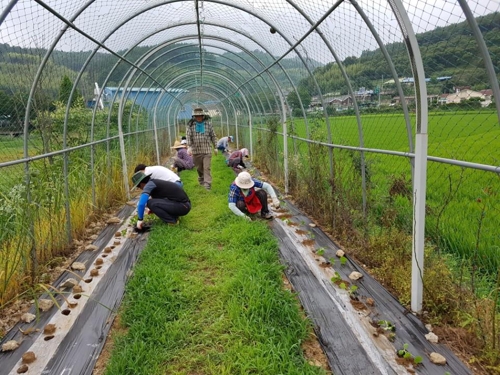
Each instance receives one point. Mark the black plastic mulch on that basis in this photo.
(344, 352)
(80, 348)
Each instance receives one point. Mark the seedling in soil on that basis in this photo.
(332, 261)
(404, 353)
(352, 290)
(320, 251)
(343, 260)
(336, 277)
(386, 325)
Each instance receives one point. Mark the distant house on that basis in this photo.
(340, 101)
(465, 93)
(411, 99)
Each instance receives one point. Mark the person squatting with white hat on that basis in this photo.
(243, 199)
(165, 199)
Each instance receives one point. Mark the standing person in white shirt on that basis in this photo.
(158, 172)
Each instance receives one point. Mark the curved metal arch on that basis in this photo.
(234, 110)
(214, 87)
(237, 31)
(147, 9)
(224, 49)
(232, 75)
(483, 49)
(216, 98)
(218, 75)
(190, 86)
(272, 77)
(394, 74)
(210, 45)
(243, 97)
(154, 50)
(240, 47)
(354, 102)
(213, 96)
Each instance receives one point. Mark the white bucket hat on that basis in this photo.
(244, 180)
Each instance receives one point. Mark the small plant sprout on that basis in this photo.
(353, 289)
(335, 277)
(320, 251)
(343, 286)
(386, 325)
(332, 261)
(404, 353)
(343, 260)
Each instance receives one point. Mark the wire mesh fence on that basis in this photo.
(325, 94)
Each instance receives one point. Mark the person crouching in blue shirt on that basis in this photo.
(243, 199)
(165, 199)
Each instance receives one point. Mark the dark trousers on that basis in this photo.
(202, 163)
(262, 196)
(168, 210)
(233, 163)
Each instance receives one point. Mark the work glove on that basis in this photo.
(139, 224)
(216, 151)
(276, 203)
(240, 167)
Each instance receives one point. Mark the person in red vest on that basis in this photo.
(244, 199)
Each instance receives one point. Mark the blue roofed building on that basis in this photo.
(148, 98)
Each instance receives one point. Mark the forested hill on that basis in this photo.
(446, 51)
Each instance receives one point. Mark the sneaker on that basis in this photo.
(208, 186)
(267, 215)
(176, 222)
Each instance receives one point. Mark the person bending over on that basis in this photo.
(165, 199)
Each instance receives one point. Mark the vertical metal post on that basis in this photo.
(122, 147)
(420, 177)
(155, 131)
(285, 141)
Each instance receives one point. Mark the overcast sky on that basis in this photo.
(29, 25)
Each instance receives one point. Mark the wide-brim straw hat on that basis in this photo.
(178, 144)
(244, 180)
(198, 112)
(138, 177)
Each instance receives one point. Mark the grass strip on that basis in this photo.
(207, 297)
